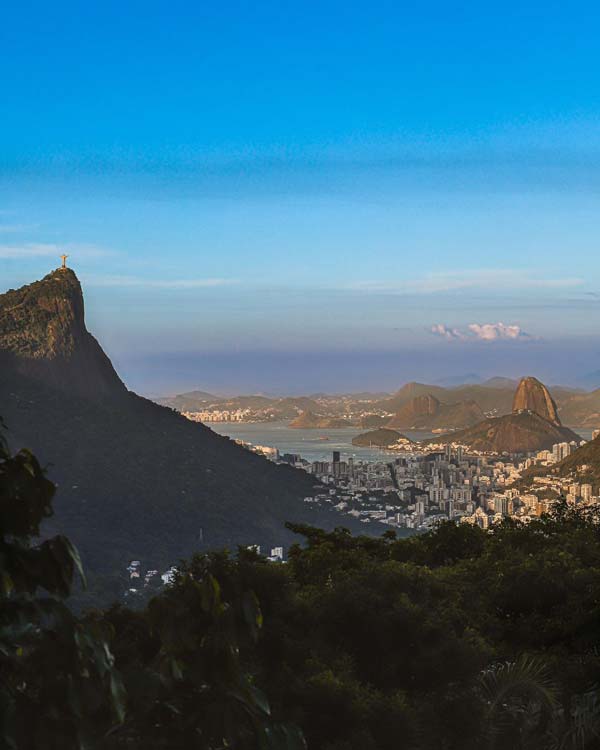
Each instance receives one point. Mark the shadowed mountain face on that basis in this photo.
(525, 432)
(427, 412)
(42, 330)
(531, 395)
(136, 480)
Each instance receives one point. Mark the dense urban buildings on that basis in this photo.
(417, 489)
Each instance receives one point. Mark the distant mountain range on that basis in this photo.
(450, 381)
(532, 425)
(136, 480)
(414, 406)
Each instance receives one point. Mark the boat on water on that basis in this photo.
(323, 437)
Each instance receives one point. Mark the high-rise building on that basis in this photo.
(561, 450)
(336, 457)
(586, 492)
(502, 505)
(595, 434)
(320, 467)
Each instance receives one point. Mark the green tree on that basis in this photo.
(169, 676)
(59, 688)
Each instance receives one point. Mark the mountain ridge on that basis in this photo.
(136, 480)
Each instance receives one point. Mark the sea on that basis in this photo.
(313, 445)
(317, 445)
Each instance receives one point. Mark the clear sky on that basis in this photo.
(310, 196)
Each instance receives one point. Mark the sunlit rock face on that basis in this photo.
(43, 335)
(531, 395)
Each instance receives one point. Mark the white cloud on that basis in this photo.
(495, 331)
(448, 333)
(481, 332)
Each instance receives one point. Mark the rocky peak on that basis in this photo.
(43, 335)
(43, 319)
(427, 404)
(531, 395)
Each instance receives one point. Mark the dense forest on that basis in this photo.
(454, 639)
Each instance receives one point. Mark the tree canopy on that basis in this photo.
(458, 639)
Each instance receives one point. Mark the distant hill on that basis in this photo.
(584, 462)
(534, 425)
(493, 399)
(136, 480)
(292, 404)
(513, 433)
(191, 401)
(581, 409)
(428, 413)
(408, 392)
(500, 382)
(308, 420)
(451, 381)
(381, 438)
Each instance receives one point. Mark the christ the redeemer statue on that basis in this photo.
(64, 260)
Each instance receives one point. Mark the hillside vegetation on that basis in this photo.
(526, 432)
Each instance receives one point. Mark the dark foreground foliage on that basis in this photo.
(169, 677)
(455, 640)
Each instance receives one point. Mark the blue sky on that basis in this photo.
(310, 196)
